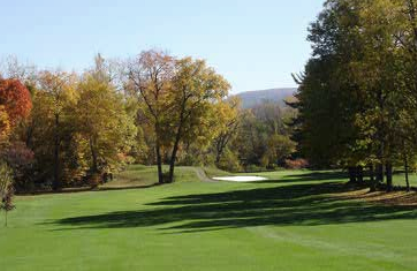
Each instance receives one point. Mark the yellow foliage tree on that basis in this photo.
(4, 126)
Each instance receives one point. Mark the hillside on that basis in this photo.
(253, 98)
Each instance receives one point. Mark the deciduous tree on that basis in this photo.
(6, 190)
(15, 99)
(150, 81)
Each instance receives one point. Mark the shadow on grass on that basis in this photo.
(322, 176)
(86, 189)
(308, 204)
(311, 177)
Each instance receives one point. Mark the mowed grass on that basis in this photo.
(139, 176)
(292, 222)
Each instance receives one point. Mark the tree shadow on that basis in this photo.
(321, 176)
(310, 177)
(85, 189)
(290, 205)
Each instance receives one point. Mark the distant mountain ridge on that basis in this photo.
(253, 98)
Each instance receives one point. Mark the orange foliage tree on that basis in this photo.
(15, 99)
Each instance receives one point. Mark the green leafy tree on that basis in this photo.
(150, 81)
(229, 119)
(356, 98)
(257, 126)
(179, 99)
(194, 102)
(280, 147)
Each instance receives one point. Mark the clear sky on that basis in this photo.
(255, 44)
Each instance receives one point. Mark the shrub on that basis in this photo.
(94, 180)
(20, 159)
(254, 168)
(296, 164)
(229, 162)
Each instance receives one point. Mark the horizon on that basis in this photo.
(256, 54)
(277, 88)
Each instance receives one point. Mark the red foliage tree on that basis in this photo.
(16, 99)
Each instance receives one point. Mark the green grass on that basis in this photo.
(289, 223)
(139, 176)
(399, 177)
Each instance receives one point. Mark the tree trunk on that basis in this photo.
(407, 179)
(93, 156)
(359, 174)
(218, 158)
(372, 179)
(172, 163)
(352, 174)
(223, 141)
(219, 150)
(371, 173)
(29, 137)
(380, 173)
(159, 162)
(174, 153)
(56, 183)
(380, 138)
(177, 141)
(389, 177)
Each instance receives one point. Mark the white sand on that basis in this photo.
(240, 179)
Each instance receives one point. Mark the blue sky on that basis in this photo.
(254, 44)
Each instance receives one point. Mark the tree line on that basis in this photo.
(64, 129)
(357, 98)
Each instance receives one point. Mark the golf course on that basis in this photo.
(208, 135)
(296, 220)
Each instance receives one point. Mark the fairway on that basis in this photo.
(133, 137)
(292, 222)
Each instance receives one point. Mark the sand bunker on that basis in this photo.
(240, 179)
